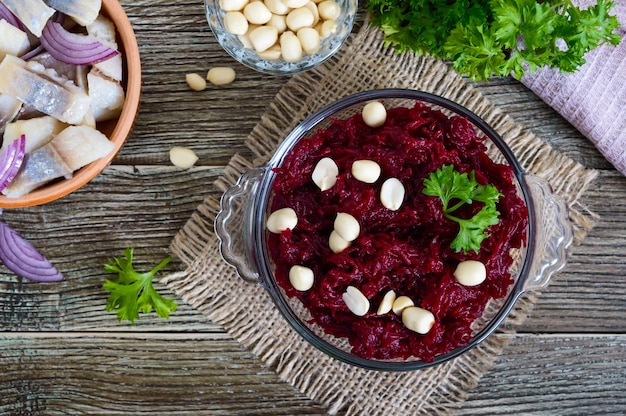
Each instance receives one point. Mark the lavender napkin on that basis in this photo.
(593, 99)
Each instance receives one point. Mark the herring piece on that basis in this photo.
(9, 108)
(37, 89)
(34, 14)
(13, 41)
(106, 94)
(39, 131)
(39, 167)
(84, 12)
(75, 73)
(103, 29)
(81, 145)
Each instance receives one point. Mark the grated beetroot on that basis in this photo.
(406, 250)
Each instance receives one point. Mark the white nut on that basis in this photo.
(279, 22)
(257, 13)
(281, 220)
(392, 194)
(387, 303)
(336, 243)
(301, 278)
(299, 18)
(356, 301)
(418, 319)
(235, 23)
(271, 54)
(221, 75)
(263, 37)
(183, 157)
(195, 82)
(347, 226)
(310, 40)
(329, 10)
(470, 273)
(290, 47)
(366, 171)
(325, 173)
(294, 4)
(316, 14)
(232, 5)
(401, 303)
(374, 114)
(327, 28)
(277, 7)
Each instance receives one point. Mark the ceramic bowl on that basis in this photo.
(246, 55)
(116, 130)
(241, 229)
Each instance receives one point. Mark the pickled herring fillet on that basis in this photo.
(9, 107)
(80, 145)
(37, 89)
(34, 14)
(70, 150)
(83, 12)
(39, 167)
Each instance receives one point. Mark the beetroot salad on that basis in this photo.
(372, 253)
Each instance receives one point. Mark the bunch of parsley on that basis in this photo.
(485, 38)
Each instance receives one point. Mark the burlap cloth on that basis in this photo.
(246, 312)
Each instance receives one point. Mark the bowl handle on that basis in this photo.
(553, 233)
(232, 222)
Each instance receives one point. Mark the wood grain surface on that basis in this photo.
(61, 353)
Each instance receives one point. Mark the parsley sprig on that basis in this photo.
(456, 189)
(484, 38)
(131, 291)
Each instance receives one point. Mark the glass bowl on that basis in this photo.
(241, 229)
(248, 56)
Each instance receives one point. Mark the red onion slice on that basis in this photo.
(11, 160)
(19, 256)
(73, 48)
(7, 15)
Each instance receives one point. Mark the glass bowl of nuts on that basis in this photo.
(281, 36)
(394, 229)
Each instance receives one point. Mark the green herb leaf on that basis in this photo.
(484, 38)
(132, 292)
(459, 188)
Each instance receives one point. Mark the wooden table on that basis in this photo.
(61, 353)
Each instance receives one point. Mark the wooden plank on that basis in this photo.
(567, 375)
(124, 374)
(205, 373)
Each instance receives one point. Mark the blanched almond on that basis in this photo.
(418, 319)
(325, 173)
(470, 273)
(356, 301)
(387, 303)
(281, 220)
(183, 157)
(392, 194)
(347, 226)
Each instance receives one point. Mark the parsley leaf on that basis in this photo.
(132, 292)
(459, 188)
(484, 38)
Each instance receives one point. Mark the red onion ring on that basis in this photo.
(73, 48)
(11, 160)
(19, 256)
